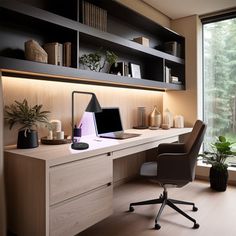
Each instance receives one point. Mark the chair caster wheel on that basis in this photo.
(196, 226)
(195, 208)
(157, 226)
(131, 209)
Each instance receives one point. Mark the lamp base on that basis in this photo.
(79, 146)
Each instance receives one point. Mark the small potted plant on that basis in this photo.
(93, 61)
(28, 117)
(221, 150)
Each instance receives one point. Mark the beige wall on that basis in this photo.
(2, 197)
(56, 97)
(186, 102)
(148, 11)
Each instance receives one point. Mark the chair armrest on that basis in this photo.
(173, 167)
(171, 148)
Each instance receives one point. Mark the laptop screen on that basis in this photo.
(108, 120)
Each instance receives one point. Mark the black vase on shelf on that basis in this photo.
(218, 179)
(27, 139)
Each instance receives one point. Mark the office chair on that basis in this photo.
(175, 166)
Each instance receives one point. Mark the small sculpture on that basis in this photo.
(34, 52)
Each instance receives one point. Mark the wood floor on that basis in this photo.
(216, 212)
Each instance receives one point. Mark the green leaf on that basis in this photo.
(222, 139)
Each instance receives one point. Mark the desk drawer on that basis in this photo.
(73, 216)
(142, 147)
(72, 179)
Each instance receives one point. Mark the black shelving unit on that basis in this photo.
(44, 23)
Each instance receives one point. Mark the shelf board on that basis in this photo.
(35, 70)
(85, 30)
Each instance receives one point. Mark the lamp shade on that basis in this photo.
(93, 105)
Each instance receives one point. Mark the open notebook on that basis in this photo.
(108, 124)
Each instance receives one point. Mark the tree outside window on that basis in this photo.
(220, 79)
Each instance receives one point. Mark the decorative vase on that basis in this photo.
(155, 118)
(27, 139)
(218, 179)
(168, 119)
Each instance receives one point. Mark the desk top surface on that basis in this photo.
(54, 154)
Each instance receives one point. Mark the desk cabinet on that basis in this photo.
(64, 199)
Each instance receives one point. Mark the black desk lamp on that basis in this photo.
(93, 106)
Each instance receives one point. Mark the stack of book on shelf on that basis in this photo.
(93, 16)
(175, 80)
(173, 48)
(58, 53)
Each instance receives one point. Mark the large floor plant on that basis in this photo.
(221, 150)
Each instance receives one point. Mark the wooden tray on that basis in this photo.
(44, 140)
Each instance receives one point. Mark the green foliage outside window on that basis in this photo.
(220, 79)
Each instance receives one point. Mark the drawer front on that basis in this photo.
(72, 179)
(75, 215)
(142, 147)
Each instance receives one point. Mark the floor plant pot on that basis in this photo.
(218, 179)
(27, 139)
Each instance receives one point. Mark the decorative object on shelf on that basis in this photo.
(55, 53)
(154, 119)
(93, 16)
(34, 52)
(94, 62)
(173, 48)
(168, 118)
(142, 40)
(135, 70)
(165, 126)
(27, 116)
(141, 118)
(179, 121)
(93, 106)
(221, 150)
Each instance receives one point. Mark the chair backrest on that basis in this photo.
(193, 144)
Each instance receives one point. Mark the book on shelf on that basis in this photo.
(93, 15)
(167, 74)
(55, 53)
(67, 54)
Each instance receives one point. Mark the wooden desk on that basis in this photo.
(54, 190)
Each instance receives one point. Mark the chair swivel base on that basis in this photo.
(164, 200)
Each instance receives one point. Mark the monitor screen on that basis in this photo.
(108, 120)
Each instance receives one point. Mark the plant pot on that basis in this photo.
(28, 139)
(218, 179)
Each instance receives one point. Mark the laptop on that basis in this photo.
(108, 124)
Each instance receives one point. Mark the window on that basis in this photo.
(219, 85)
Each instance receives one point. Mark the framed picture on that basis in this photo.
(135, 70)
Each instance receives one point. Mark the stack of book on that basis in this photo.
(58, 54)
(175, 80)
(93, 16)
